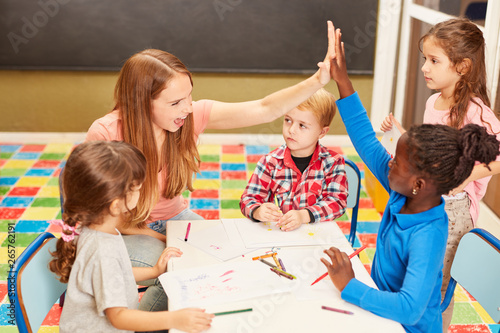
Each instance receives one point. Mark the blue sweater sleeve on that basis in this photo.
(363, 137)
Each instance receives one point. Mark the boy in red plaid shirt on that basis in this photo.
(307, 180)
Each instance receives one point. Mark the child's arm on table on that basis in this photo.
(143, 231)
(146, 273)
(410, 301)
(187, 320)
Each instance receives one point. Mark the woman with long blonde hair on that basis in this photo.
(154, 112)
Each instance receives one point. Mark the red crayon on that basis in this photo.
(350, 257)
(187, 232)
(336, 310)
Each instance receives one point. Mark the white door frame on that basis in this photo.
(389, 84)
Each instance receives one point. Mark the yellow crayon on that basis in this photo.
(276, 261)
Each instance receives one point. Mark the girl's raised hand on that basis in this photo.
(338, 67)
(386, 125)
(169, 252)
(388, 122)
(340, 267)
(267, 212)
(191, 320)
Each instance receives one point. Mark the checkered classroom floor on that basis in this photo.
(29, 198)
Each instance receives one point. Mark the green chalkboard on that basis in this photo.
(245, 36)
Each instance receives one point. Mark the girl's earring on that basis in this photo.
(414, 192)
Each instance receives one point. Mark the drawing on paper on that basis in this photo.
(220, 283)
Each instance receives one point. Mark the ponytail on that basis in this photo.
(65, 253)
(448, 155)
(476, 145)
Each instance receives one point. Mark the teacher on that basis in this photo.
(154, 111)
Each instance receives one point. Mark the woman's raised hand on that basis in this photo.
(324, 66)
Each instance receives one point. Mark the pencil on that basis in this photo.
(281, 264)
(265, 262)
(187, 232)
(263, 256)
(337, 310)
(350, 257)
(231, 312)
(276, 261)
(285, 274)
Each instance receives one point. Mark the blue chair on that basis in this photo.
(476, 268)
(354, 180)
(35, 288)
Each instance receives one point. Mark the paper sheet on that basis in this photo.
(215, 241)
(267, 234)
(390, 140)
(305, 264)
(221, 283)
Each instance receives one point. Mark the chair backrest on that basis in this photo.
(36, 288)
(354, 182)
(476, 268)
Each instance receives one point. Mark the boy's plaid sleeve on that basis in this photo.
(257, 191)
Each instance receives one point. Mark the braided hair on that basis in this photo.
(96, 174)
(448, 155)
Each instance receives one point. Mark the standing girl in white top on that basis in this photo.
(455, 66)
(100, 185)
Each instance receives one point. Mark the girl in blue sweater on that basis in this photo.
(430, 160)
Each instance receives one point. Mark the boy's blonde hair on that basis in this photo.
(322, 105)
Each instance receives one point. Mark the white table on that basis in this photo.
(278, 312)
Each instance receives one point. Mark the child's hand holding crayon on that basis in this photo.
(293, 219)
(340, 268)
(267, 212)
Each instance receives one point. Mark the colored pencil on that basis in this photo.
(275, 258)
(350, 257)
(337, 310)
(281, 264)
(263, 256)
(285, 274)
(265, 262)
(187, 232)
(231, 312)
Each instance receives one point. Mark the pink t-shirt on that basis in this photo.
(109, 128)
(475, 189)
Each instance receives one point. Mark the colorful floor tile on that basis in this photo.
(29, 198)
